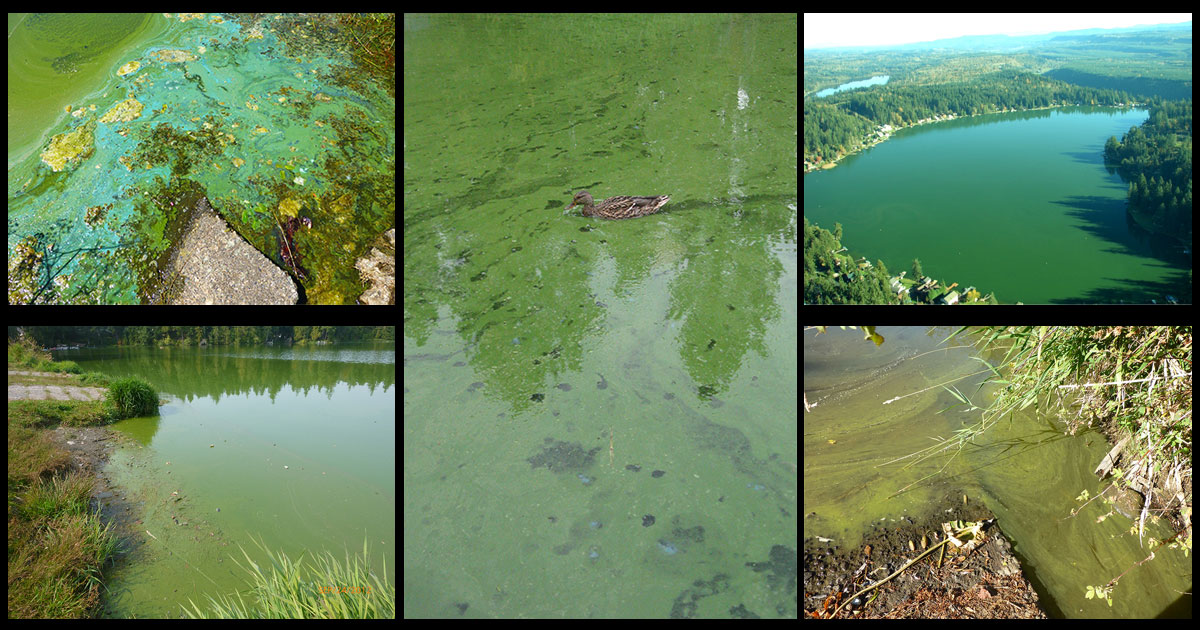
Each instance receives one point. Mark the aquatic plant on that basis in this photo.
(322, 589)
(129, 397)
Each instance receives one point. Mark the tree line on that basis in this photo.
(837, 124)
(1156, 159)
(194, 335)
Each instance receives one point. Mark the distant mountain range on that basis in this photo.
(1007, 43)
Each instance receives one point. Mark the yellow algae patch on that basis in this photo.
(67, 149)
(132, 66)
(201, 49)
(124, 111)
(174, 56)
(258, 129)
(255, 33)
(251, 105)
(184, 17)
(238, 162)
(289, 207)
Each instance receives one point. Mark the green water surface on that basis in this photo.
(302, 459)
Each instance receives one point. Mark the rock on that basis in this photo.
(378, 268)
(218, 266)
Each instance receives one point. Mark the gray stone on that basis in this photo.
(218, 266)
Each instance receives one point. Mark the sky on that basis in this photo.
(827, 30)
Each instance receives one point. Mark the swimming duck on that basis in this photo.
(619, 207)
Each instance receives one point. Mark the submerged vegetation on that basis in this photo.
(1125, 381)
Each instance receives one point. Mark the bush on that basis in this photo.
(69, 367)
(132, 397)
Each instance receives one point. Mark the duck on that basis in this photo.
(619, 207)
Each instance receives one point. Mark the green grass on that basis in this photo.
(323, 588)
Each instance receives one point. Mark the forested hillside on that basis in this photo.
(839, 124)
(1156, 159)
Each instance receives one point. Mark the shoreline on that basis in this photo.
(875, 138)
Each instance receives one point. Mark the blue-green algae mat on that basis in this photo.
(117, 123)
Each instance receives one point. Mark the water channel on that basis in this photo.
(293, 447)
(1025, 470)
(1019, 204)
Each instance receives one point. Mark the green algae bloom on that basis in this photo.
(69, 149)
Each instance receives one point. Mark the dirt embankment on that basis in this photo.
(984, 583)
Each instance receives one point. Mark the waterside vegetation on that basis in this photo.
(57, 544)
(1127, 382)
(323, 588)
(834, 277)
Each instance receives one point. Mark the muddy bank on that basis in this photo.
(90, 448)
(984, 583)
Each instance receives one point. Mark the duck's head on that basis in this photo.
(581, 197)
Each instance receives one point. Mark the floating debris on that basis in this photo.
(125, 111)
(174, 56)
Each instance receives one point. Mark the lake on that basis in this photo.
(295, 447)
(1019, 204)
(876, 80)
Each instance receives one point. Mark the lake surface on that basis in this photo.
(1024, 469)
(326, 413)
(1020, 204)
(877, 80)
(511, 516)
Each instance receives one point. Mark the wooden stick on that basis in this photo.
(152, 535)
(610, 447)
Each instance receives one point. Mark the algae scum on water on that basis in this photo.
(270, 117)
